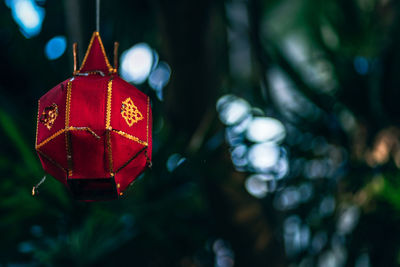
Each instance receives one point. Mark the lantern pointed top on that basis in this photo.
(95, 58)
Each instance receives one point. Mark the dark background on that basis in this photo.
(327, 70)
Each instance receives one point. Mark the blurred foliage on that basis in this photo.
(328, 70)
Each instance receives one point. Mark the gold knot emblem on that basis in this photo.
(49, 115)
(130, 112)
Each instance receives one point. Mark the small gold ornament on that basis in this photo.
(130, 112)
(49, 115)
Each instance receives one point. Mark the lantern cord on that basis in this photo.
(97, 15)
(36, 187)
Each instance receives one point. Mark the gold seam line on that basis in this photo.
(72, 128)
(147, 132)
(130, 137)
(108, 125)
(37, 123)
(87, 52)
(148, 119)
(69, 152)
(52, 160)
(129, 161)
(110, 68)
(108, 106)
(109, 151)
(96, 34)
(67, 134)
(67, 109)
(50, 138)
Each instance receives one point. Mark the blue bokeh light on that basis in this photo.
(160, 75)
(361, 65)
(55, 47)
(28, 15)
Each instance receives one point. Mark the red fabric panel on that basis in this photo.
(95, 58)
(121, 91)
(56, 150)
(123, 150)
(56, 95)
(53, 170)
(129, 173)
(88, 102)
(88, 157)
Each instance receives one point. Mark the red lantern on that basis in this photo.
(94, 129)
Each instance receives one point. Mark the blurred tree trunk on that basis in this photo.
(74, 28)
(192, 36)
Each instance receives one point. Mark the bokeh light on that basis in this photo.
(348, 219)
(287, 199)
(263, 156)
(296, 235)
(239, 156)
(361, 65)
(159, 77)
(318, 242)
(224, 256)
(306, 191)
(256, 186)
(265, 129)
(232, 109)
(327, 206)
(174, 161)
(136, 63)
(28, 15)
(55, 47)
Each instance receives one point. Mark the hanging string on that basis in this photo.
(36, 187)
(97, 15)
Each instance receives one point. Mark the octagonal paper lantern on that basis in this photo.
(94, 129)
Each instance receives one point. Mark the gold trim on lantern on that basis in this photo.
(67, 134)
(50, 138)
(72, 128)
(68, 103)
(49, 115)
(109, 152)
(108, 107)
(96, 34)
(69, 152)
(148, 119)
(108, 126)
(130, 160)
(51, 160)
(37, 123)
(130, 137)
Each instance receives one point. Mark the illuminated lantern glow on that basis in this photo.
(94, 130)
